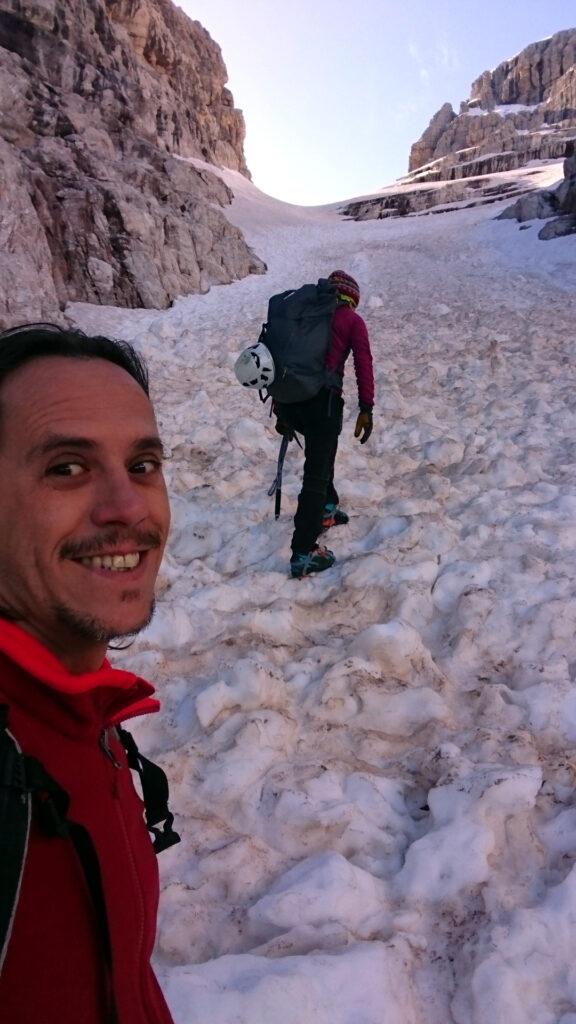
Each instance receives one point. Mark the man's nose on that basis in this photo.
(119, 499)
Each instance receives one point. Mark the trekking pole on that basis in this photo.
(276, 487)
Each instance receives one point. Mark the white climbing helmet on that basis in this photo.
(254, 367)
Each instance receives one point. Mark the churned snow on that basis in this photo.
(373, 768)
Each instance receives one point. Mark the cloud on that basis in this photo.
(403, 110)
(439, 57)
(447, 57)
(423, 70)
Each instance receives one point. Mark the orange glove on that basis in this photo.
(363, 426)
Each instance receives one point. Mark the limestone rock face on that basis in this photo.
(558, 203)
(558, 227)
(423, 151)
(448, 195)
(536, 205)
(101, 102)
(184, 104)
(523, 110)
(528, 77)
(561, 101)
(27, 288)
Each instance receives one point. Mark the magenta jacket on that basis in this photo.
(349, 334)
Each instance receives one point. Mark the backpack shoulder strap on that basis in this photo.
(26, 790)
(26, 786)
(155, 793)
(15, 818)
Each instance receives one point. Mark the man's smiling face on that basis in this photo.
(84, 512)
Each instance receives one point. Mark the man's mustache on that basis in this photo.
(104, 541)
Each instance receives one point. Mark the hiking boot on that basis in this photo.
(334, 516)
(315, 561)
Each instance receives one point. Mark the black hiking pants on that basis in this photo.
(319, 420)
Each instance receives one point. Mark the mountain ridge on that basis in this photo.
(538, 86)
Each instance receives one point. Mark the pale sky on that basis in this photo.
(334, 92)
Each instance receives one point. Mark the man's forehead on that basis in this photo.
(78, 370)
(59, 395)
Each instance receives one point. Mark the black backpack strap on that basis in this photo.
(155, 793)
(91, 867)
(15, 818)
(50, 805)
(27, 789)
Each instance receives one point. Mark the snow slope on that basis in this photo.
(373, 768)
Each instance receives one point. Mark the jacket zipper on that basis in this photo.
(105, 746)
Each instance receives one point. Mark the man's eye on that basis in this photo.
(66, 469)
(146, 466)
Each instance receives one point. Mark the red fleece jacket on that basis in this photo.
(55, 970)
(349, 334)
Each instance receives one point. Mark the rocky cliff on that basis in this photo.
(101, 104)
(523, 110)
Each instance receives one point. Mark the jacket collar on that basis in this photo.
(95, 699)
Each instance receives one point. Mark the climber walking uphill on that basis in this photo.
(319, 420)
(299, 361)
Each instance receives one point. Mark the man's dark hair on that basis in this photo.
(22, 344)
(569, 151)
